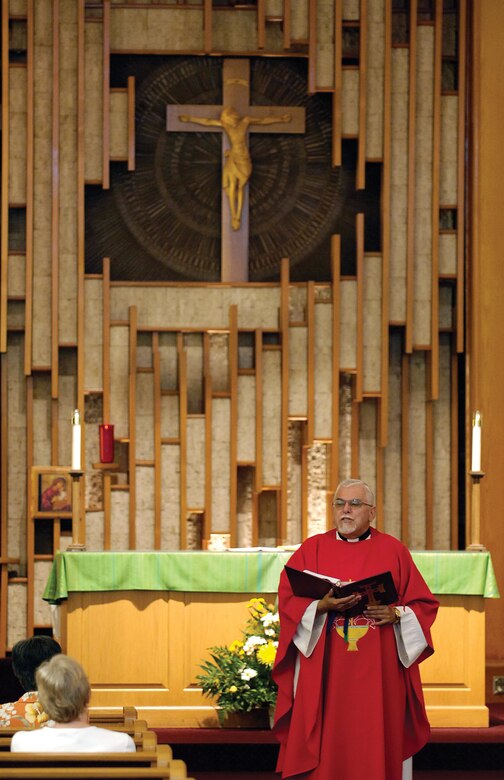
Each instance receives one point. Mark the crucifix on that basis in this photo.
(235, 118)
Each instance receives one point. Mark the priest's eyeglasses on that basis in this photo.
(353, 502)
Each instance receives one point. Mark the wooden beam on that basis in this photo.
(106, 96)
(360, 307)
(133, 336)
(405, 420)
(182, 363)
(310, 311)
(287, 24)
(131, 123)
(4, 422)
(156, 363)
(4, 220)
(55, 205)
(383, 403)
(461, 171)
(261, 24)
(429, 470)
(410, 219)
(335, 275)
(207, 26)
(233, 428)
(80, 246)
(28, 335)
(284, 435)
(207, 379)
(312, 46)
(454, 452)
(433, 390)
(361, 148)
(259, 410)
(30, 535)
(106, 339)
(338, 80)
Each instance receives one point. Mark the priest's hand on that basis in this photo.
(381, 614)
(330, 604)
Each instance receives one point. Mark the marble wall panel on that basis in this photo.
(144, 515)
(268, 518)
(392, 480)
(297, 303)
(294, 481)
(351, 10)
(348, 324)
(298, 378)
(144, 417)
(170, 416)
(148, 29)
(317, 484)
(442, 488)
(448, 253)
(18, 7)
(93, 101)
(324, 60)
(299, 20)
(119, 390)
(42, 420)
(67, 228)
(446, 309)
(168, 361)
(345, 426)
(17, 135)
(196, 462)
(350, 102)
(235, 31)
(422, 308)
(272, 410)
(144, 350)
(246, 478)
(119, 525)
(448, 180)
(16, 613)
(95, 531)
(323, 375)
(41, 609)
(219, 362)
(417, 452)
(221, 466)
(93, 334)
(399, 185)
(246, 419)
(375, 53)
(15, 489)
(66, 405)
(119, 125)
(193, 343)
(170, 497)
(16, 274)
(367, 442)
(372, 320)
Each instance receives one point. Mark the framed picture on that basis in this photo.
(52, 492)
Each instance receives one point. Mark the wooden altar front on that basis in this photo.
(141, 624)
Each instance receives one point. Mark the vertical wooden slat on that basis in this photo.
(131, 123)
(360, 307)
(233, 442)
(3, 502)
(156, 364)
(55, 181)
(207, 375)
(433, 390)
(287, 24)
(461, 152)
(55, 433)
(182, 361)
(258, 410)
(405, 418)
(354, 439)
(454, 450)
(30, 565)
(335, 276)
(383, 403)
(379, 487)
(310, 323)
(284, 436)
(80, 246)
(361, 152)
(304, 491)
(106, 97)
(207, 25)
(255, 518)
(107, 482)
(133, 337)
(312, 46)
(410, 220)
(29, 190)
(4, 221)
(429, 471)
(338, 81)
(261, 24)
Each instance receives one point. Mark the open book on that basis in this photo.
(378, 589)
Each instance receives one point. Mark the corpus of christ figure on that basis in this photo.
(238, 165)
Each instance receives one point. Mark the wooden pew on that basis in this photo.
(161, 759)
(102, 717)
(144, 739)
(92, 773)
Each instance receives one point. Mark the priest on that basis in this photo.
(350, 703)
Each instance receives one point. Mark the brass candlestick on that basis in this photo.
(476, 546)
(77, 530)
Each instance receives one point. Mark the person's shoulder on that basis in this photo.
(114, 738)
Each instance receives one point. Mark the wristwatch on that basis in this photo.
(397, 615)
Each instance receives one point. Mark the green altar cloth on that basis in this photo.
(446, 572)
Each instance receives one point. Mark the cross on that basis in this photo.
(236, 108)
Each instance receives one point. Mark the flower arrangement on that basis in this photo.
(239, 675)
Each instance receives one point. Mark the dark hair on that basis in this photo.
(28, 654)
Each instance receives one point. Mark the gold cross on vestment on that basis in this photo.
(235, 118)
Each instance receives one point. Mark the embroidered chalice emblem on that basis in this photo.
(357, 627)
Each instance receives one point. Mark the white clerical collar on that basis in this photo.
(362, 538)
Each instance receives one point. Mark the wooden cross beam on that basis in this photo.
(235, 118)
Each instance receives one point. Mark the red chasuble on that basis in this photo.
(357, 712)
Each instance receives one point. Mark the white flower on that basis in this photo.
(248, 674)
(269, 631)
(251, 644)
(270, 618)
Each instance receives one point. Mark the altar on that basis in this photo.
(142, 622)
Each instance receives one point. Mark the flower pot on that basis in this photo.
(255, 719)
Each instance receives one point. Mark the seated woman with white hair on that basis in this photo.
(64, 692)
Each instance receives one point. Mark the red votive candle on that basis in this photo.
(106, 443)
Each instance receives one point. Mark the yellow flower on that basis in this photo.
(266, 654)
(233, 689)
(235, 646)
(256, 604)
